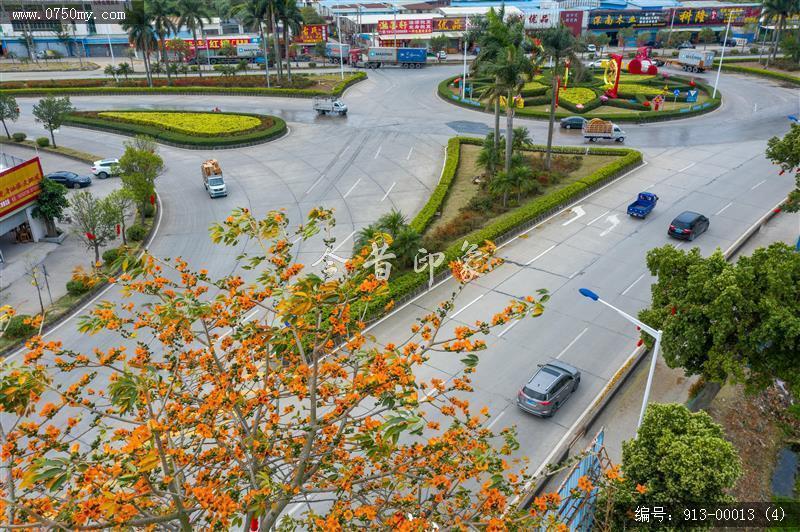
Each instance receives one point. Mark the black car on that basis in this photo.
(654, 44)
(729, 43)
(685, 44)
(687, 225)
(70, 179)
(573, 122)
(659, 62)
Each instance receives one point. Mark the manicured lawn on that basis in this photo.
(190, 123)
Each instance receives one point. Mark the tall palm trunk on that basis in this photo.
(497, 125)
(266, 57)
(146, 54)
(164, 60)
(548, 153)
(286, 50)
(509, 128)
(196, 54)
(277, 45)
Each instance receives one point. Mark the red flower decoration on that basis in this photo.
(152, 199)
(692, 83)
(89, 235)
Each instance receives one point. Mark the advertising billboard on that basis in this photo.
(215, 44)
(312, 33)
(405, 27)
(20, 185)
(450, 24)
(602, 20)
(717, 16)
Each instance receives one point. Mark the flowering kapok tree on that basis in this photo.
(224, 401)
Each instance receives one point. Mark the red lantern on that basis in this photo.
(673, 310)
(89, 236)
(639, 343)
(152, 199)
(117, 229)
(692, 83)
(778, 210)
(254, 524)
(782, 172)
(647, 104)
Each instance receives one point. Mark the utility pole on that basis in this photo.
(722, 55)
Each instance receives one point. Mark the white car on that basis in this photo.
(598, 63)
(441, 55)
(105, 168)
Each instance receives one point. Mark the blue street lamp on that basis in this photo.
(646, 328)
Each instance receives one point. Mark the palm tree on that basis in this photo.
(392, 222)
(511, 72)
(364, 236)
(253, 14)
(489, 156)
(140, 33)
(272, 14)
(778, 11)
(162, 13)
(193, 16)
(502, 184)
(405, 245)
(522, 138)
(558, 43)
(292, 18)
(493, 37)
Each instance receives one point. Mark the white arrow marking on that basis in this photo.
(578, 213)
(614, 219)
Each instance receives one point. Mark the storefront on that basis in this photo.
(19, 189)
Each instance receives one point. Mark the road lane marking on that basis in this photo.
(572, 343)
(344, 150)
(540, 255)
(315, 183)
(343, 241)
(465, 307)
(722, 209)
(595, 219)
(686, 168)
(496, 420)
(377, 153)
(387, 192)
(296, 240)
(758, 184)
(614, 219)
(574, 274)
(409, 153)
(578, 213)
(508, 328)
(351, 188)
(632, 284)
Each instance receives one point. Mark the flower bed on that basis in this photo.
(577, 95)
(203, 124)
(632, 89)
(174, 127)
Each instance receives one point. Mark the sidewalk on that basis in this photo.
(621, 414)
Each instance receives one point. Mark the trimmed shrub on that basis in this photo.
(19, 137)
(110, 255)
(762, 72)
(426, 214)
(190, 123)
(754, 50)
(136, 233)
(43, 142)
(76, 287)
(312, 64)
(149, 210)
(17, 328)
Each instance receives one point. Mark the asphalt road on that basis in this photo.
(388, 153)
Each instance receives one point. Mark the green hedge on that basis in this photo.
(408, 283)
(762, 72)
(337, 90)
(179, 139)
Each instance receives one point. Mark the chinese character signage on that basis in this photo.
(573, 20)
(215, 44)
(20, 185)
(601, 20)
(540, 18)
(405, 27)
(717, 16)
(311, 33)
(449, 24)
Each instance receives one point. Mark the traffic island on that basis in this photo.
(639, 98)
(193, 130)
(301, 86)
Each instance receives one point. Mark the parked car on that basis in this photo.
(654, 44)
(549, 388)
(687, 225)
(573, 122)
(441, 55)
(658, 62)
(597, 63)
(105, 168)
(591, 48)
(685, 44)
(70, 179)
(729, 43)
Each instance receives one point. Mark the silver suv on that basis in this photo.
(105, 168)
(549, 388)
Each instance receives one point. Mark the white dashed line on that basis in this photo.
(495, 420)
(343, 241)
(722, 209)
(377, 153)
(539, 255)
(465, 307)
(351, 188)
(508, 328)
(686, 168)
(593, 221)
(572, 343)
(315, 183)
(632, 284)
(344, 150)
(388, 191)
(409, 153)
(758, 184)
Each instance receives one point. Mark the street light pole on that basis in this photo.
(464, 76)
(646, 328)
(341, 44)
(722, 55)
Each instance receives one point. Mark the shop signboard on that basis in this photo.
(312, 33)
(20, 185)
(214, 44)
(717, 16)
(540, 18)
(573, 20)
(450, 24)
(405, 27)
(603, 20)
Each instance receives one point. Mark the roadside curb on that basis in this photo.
(89, 159)
(590, 415)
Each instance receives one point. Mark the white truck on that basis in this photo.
(597, 128)
(213, 181)
(695, 60)
(324, 105)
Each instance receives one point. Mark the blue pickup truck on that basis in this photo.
(645, 203)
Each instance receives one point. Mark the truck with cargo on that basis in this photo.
(213, 181)
(328, 104)
(597, 128)
(376, 57)
(333, 54)
(695, 60)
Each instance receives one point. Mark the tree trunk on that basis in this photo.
(6, 128)
(496, 125)
(286, 50)
(165, 62)
(208, 48)
(142, 208)
(266, 57)
(509, 129)
(53, 138)
(278, 61)
(122, 229)
(548, 153)
(96, 252)
(50, 224)
(196, 55)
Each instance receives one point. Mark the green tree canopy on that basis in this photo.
(786, 153)
(739, 321)
(50, 204)
(93, 225)
(310, 16)
(51, 111)
(140, 165)
(9, 110)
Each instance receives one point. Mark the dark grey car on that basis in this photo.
(70, 179)
(549, 388)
